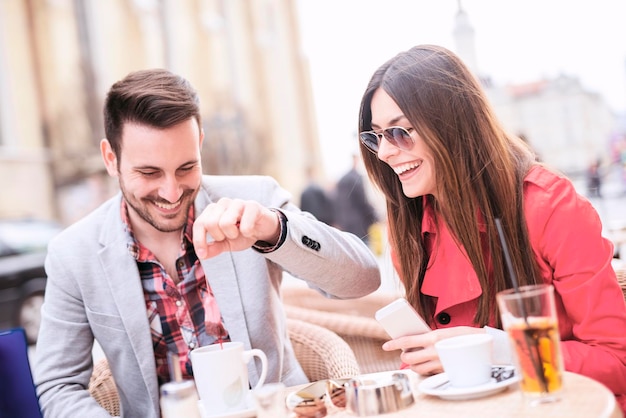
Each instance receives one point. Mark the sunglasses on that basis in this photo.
(396, 135)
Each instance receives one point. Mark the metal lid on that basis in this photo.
(179, 390)
(367, 397)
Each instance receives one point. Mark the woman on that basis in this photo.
(432, 144)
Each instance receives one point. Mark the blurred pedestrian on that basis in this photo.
(316, 200)
(594, 180)
(354, 212)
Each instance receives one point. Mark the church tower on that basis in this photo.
(464, 39)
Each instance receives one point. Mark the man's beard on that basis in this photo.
(140, 206)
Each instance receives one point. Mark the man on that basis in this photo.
(143, 279)
(355, 213)
(315, 200)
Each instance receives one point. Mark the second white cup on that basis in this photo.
(466, 359)
(221, 376)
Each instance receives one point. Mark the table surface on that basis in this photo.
(581, 397)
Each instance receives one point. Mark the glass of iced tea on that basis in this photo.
(529, 317)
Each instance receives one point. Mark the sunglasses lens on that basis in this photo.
(370, 140)
(399, 137)
(396, 136)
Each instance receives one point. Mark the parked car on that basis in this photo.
(23, 246)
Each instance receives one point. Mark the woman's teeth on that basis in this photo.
(405, 167)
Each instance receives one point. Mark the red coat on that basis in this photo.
(565, 234)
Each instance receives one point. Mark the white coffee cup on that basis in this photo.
(221, 375)
(466, 359)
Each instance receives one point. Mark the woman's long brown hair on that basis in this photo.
(479, 171)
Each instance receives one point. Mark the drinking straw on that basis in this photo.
(507, 257)
(531, 341)
(173, 365)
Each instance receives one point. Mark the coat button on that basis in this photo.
(443, 318)
(311, 243)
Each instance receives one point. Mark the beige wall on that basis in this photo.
(24, 180)
(243, 57)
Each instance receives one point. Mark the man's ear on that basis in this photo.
(201, 137)
(109, 158)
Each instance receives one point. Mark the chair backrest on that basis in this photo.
(18, 397)
(321, 353)
(351, 319)
(102, 387)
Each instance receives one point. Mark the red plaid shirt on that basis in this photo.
(182, 316)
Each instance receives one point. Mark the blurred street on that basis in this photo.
(611, 206)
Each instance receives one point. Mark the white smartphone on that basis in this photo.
(399, 319)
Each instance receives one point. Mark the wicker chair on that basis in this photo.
(321, 353)
(102, 388)
(353, 320)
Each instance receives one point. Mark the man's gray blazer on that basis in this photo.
(94, 291)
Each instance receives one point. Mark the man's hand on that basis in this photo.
(233, 225)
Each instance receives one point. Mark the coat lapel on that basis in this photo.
(122, 277)
(450, 277)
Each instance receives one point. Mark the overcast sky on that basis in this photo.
(516, 41)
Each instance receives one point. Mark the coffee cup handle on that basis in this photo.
(255, 352)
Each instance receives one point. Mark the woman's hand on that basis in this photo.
(418, 351)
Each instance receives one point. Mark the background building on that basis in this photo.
(568, 127)
(59, 57)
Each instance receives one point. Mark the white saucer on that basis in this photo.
(242, 413)
(433, 386)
